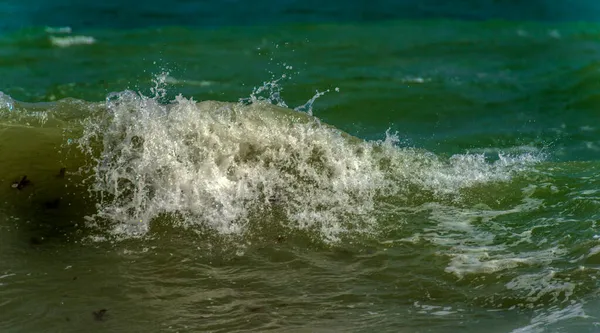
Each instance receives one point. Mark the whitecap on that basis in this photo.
(71, 40)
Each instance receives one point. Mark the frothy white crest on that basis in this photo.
(465, 170)
(219, 165)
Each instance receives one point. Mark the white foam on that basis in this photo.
(465, 170)
(474, 250)
(71, 41)
(59, 30)
(435, 310)
(593, 251)
(542, 284)
(551, 316)
(6, 275)
(415, 79)
(492, 259)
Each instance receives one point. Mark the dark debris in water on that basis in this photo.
(255, 308)
(35, 240)
(19, 185)
(99, 315)
(61, 173)
(52, 204)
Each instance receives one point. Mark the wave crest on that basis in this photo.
(219, 164)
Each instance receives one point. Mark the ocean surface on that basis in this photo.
(381, 166)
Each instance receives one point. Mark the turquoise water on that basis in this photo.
(324, 171)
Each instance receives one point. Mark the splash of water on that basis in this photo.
(269, 92)
(6, 102)
(160, 81)
(308, 106)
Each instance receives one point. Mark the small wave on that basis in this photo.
(71, 40)
(218, 165)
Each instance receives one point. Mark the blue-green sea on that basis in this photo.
(287, 166)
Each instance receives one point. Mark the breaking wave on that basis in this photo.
(226, 166)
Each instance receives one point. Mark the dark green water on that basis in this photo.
(448, 182)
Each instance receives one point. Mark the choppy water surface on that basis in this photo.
(446, 181)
